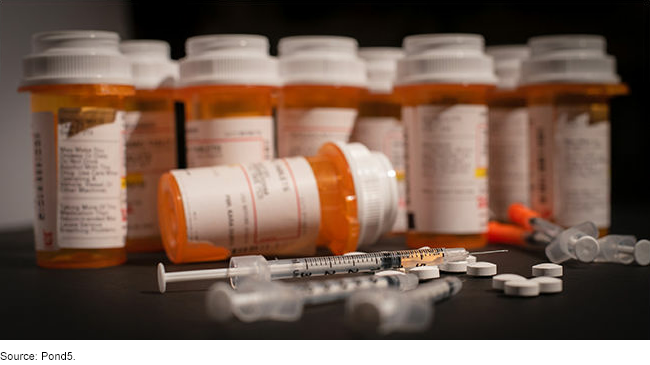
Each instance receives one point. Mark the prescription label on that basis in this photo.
(508, 152)
(150, 151)
(447, 168)
(541, 159)
(263, 207)
(582, 167)
(79, 179)
(301, 132)
(386, 135)
(220, 141)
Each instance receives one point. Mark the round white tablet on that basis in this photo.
(499, 281)
(548, 284)
(425, 272)
(521, 288)
(454, 266)
(471, 259)
(547, 269)
(389, 272)
(482, 268)
(424, 248)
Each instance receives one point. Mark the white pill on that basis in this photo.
(424, 248)
(548, 284)
(454, 266)
(521, 288)
(354, 253)
(547, 269)
(499, 281)
(482, 268)
(471, 259)
(425, 272)
(389, 272)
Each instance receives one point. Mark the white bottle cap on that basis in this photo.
(381, 65)
(228, 59)
(445, 59)
(321, 60)
(76, 57)
(375, 186)
(569, 59)
(507, 64)
(151, 64)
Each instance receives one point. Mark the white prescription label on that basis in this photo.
(91, 192)
(221, 141)
(541, 159)
(301, 132)
(447, 168)
(150, 151)
(386, 135)
(263, 207)
(582, 168)
(509, 180)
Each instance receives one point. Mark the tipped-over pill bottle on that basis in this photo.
(342, 198)
(508, 133)
(443, 82)
(569, 80)
(378, 125)
(78, 81)
(322, 80)
(227, 83)
(150, 138)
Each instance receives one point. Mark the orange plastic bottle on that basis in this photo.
(150, 138)
(569, 81)
(78, 81)
(443, 82)
(378, 125)
(322, 81)
(228, 85)
(509, 180)
(343, 197)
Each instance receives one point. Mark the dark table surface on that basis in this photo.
(600, 301)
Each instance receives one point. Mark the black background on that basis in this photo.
(626, 25)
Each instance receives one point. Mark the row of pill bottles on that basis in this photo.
(78, 81)
(443, 82)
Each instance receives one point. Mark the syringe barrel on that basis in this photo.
(542, 225)
(324, 291)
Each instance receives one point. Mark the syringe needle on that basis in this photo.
(487, 252)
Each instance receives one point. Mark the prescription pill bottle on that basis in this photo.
(322, 81)
(227, 83)
(443, 82)
(343, 197)
(378, 125)
(569, 80)
(78, 81)
(150, 138)
(508, 133)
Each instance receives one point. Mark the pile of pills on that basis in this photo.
(545, 281)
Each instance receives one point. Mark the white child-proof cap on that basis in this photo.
(76, 57)
(569, 59)
(445, 59)
(375, 186)
(228, 59)
(381, 66)
(507, 64)
(151, 64)
(321, 60)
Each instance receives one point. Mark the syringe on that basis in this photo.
(258, 267)
(255, 300)
(388, 310)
